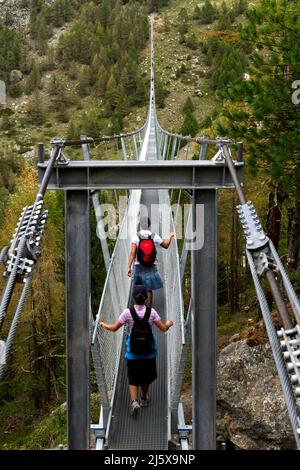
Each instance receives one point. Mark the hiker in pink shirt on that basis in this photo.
(141, 346)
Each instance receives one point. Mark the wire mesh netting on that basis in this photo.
(174, 300)
(105, 344)
(119, 147)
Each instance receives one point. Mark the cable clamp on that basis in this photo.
(219, 158)
(184, 430)
(263, 263)
(61, 159)
(98, 431)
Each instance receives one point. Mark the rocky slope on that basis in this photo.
(15, 11)
(251, 410)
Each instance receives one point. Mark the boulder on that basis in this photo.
(15, 76)
(251, 411)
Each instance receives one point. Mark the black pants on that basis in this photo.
(141, 371)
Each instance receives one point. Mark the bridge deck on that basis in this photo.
(149, 430)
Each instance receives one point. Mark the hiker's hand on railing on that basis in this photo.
(129, 272)
(101, 322)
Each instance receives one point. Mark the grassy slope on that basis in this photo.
(169, 55)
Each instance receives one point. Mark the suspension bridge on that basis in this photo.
(151, 163)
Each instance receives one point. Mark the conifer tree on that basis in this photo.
(101, 80)
(197, 13)
(36, 109)
(190, 124)
(188, 106)
(225, 18)
(73, 131)
(10, 51)
(183, 21)
(42, 35)
(207, 13)
(34, 80)
(112, 95)
(141, 92)
(228, 66)
(261, 110)
(85, 81)
(160, 92)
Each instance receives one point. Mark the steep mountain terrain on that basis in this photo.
(76, 67)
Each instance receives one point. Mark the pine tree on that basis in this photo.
(10, 51)
(166, 23)
(140, 96)
(183, 21)
(240, 7)
(188, 107)
(112, 95)
(190, 124)
(101, 80)
(36, 7)
(192, 41)
(207, 13)
(36, 109)
(197, 13)
(73, 131)
(225, 19)
(42, 35)
(261, 110)
(160, 93)
(85, 81)
(34, 81)
(129, 76)
(228, 67)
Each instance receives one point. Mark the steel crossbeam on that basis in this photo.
(192, 174)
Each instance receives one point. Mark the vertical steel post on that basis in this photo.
(240, 149)
(77, 317)
(203, 150)
(204, 302)
(41, 152)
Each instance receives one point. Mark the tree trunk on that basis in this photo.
(36, 366)
(273, 227)
(45, 331)
(234, 248)
(274, 219)
(294, 231)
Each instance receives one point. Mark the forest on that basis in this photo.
(82, 67)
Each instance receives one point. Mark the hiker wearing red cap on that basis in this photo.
(143, 251)
(141, 346)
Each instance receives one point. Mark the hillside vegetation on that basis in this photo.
(82, 67)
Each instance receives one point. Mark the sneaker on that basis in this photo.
(134, 408)
(144, 402)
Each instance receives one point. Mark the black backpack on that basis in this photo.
(141, 336)
(146, 253)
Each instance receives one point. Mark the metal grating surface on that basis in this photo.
(149, 430)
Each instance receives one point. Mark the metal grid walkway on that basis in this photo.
(149, 430)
